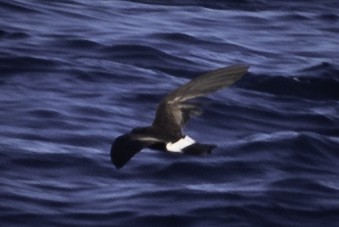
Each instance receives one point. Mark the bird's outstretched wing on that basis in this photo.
(174, 110)
(126, 146)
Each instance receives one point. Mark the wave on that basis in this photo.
(318, 82)
(13, 65)
(68, 88)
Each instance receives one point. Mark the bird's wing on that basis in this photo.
(126, 146)
(174, 110)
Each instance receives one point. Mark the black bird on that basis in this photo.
(173, 112)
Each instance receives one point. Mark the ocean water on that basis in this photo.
(74, 74)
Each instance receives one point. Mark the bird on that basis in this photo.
(173, 112)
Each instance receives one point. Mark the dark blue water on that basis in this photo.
(77, 73)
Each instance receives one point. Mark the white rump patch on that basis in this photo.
(180, 144)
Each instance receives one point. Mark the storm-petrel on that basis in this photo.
(174, 110)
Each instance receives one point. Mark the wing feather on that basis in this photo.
(207, 83)
(174, 110)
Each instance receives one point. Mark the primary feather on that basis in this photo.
(175, 110)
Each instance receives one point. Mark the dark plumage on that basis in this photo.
(172, 113)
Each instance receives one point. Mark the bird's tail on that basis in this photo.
(199, 149)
